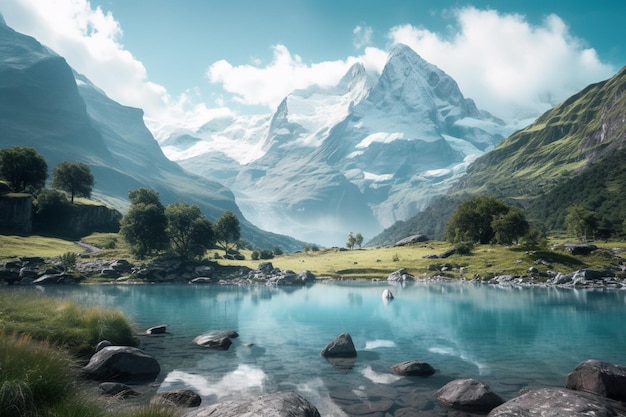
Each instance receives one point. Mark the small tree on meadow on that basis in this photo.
(144, 225)
(227, 231)
(189, 232)
(351, 241)
(73, 177)
(581, 222)
(358, 239)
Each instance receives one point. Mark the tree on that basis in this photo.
(358, 239)
(74, 178)
(23, 167)
(144, 225)
(351, 241)
(473, 220)
(189, 232)
(227, 231)
(52, 211)
(580, 221)
(510, 226)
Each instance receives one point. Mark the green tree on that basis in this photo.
(358, 239)
(73, 177)
(52, 211)
(351, 241)
(144, 225)
(509, 227)
(473, 218)
(23, 167)
(190, 233)
(227, 231)
(581, 222)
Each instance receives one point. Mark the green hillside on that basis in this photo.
(572, 154)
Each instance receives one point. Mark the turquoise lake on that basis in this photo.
(510, 338)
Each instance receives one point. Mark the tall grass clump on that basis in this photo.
(149, 411)
(34, 376)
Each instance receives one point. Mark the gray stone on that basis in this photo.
(557, 402)
(306, 276)
(468, 395)
(217, 340)
(413, 368)
(411, 239)
(282, 404)
(160, 329)
(102, 344)
(122, 363)
(579, 248)
(202, 280)
(341, 347)
(179, 398)
(598, 377)
(401, 275)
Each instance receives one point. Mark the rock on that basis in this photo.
(50, 279)
(282, 404)
(401, 275)
(387, 295)
(468, 395)
(559, 402)
(117, 389)
(341, 347)
(306, 276)
(160, 329)
(102, 344)
(217, 340)
(179, 398)
(579, 248)
(121, 265)
(411, 239)
(447, 253)
(202, 280)
(598, 377)
(413, 368)
(265, 268)
(122, 363)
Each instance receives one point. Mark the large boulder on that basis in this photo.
(401, 275)
(282, 404)
(468, 395)
(598, 377)
(341, 347)
(413, 368)
(160, 329)
(217, 340)
(411, 239)
(122, 363)
(555, 402)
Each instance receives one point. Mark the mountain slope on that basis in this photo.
(350, 158)
(572, 154)
(44, 104)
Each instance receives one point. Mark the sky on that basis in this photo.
(185, 62)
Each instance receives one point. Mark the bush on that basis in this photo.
(255, 255)
(266, 254)
(68, 259)
(464, 248)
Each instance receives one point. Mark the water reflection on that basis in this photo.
(509, 337)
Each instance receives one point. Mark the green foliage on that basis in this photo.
(255, 255)
(475, 218)
(580, 221)
(464, 248)
(534, 239)
(277, 250)
(144, 225)
(68, 259)
(227, 231)
(266, 254)
(73, 177)
(351, 241)
(190, 233)
(52, 210)
(23, 168)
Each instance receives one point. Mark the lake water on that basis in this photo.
(508, 337)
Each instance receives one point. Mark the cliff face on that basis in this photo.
(85, 220)
(16, 213)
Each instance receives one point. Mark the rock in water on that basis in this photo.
(468, 395)
(598, 377)
(413, 368)
(122, 363)
(341, 347)
(282, 404)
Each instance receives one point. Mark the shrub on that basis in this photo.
(464, 248)
(266, 254)
(255, 255)
(68, 259)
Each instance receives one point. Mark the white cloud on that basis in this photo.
(267, 85)
(508, 66)
(362, 36)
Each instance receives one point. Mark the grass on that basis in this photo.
(61, 322)
(485, 261)
(15, 245)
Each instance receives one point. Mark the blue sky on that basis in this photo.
(188, 61)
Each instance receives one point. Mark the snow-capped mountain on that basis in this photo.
(353, 158)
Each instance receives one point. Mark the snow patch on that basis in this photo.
(383, 137)
(377, 177)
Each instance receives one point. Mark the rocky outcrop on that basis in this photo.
(413, 368)
(559, 402)
(468, 395)
(401, 275)
(178, 398)
(266, 272)
(16, 213)
(283, 404)
(600, 378)
(411, 240)
(122, 363)
(341, 347)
